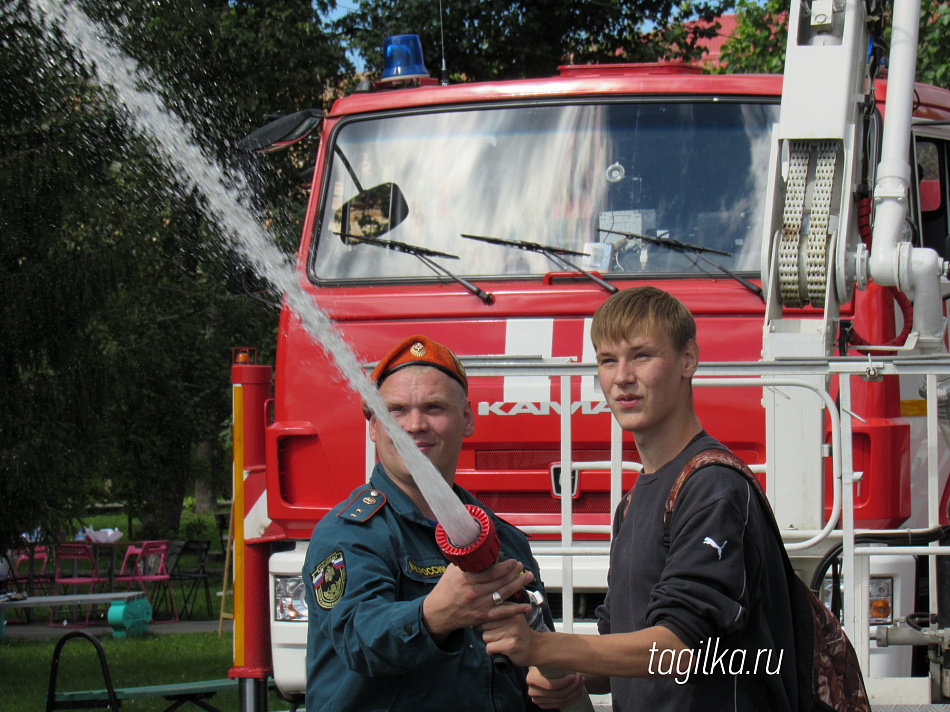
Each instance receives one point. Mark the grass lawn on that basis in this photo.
(133, 662)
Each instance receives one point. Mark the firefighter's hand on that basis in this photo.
(554, 693)
(512, 638)
(464, 600)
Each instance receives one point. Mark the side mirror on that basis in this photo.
(283, 132)
(305, 177)
(372, 212)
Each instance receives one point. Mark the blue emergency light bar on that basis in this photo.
(402, 58)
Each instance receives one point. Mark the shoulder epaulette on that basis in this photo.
(364, 504)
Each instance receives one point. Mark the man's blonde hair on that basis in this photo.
(648, 310)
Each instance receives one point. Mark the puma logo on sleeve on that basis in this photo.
(714, 545)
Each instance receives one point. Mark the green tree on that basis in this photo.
(49, 284)
(117, 322)
(933, 47)
(228, 67)
(497, 39)
(758, 43)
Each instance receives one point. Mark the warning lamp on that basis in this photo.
(881, 600)
(402, 58)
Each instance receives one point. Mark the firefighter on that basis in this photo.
(392, 624)
(701, 620)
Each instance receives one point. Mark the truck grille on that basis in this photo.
(543, 502)
(539, 459)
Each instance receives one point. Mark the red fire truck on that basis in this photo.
(496, 217)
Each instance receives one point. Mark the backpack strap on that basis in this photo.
(623, 509)
(705, 458)
(827, 669)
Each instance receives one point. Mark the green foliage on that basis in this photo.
(229, 66)
(50, 281)
(933, 47)
(118, 323)
(758, 44)
(500, 39)
(198, 526)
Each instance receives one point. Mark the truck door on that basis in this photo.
(930, 151)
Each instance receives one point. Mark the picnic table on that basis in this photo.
(196, 692)
(129, 611)
(177, 693)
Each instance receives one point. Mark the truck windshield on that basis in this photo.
(575, 177)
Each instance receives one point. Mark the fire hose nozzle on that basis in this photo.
(478, 555)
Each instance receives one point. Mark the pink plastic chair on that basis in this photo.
(76, 567)
(130, 561)
(22, 580)
(145, 566)
(41, 583)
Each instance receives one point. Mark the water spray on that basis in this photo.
(466, 536)
(150, 117)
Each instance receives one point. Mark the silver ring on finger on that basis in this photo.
(496, 598)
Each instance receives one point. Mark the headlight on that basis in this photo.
(881, 604)
(290, 602)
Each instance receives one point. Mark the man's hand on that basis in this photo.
(464, 600)
(511, 637)
(554, 693)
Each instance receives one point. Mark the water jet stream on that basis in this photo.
(150, 117)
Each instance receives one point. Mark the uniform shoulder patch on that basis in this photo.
(329, 580)
(364, 504)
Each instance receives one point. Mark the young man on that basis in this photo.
(705, 622)
(392, 624)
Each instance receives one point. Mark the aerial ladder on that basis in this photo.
(824, 171)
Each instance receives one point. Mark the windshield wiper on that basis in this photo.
(552, 253)
(697, 250)
(422, 254)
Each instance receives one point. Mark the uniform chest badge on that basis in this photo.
(426, 570)
(329, 580)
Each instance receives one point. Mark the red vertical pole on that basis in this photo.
(251, 388)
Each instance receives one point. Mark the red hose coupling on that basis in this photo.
(479, 555)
